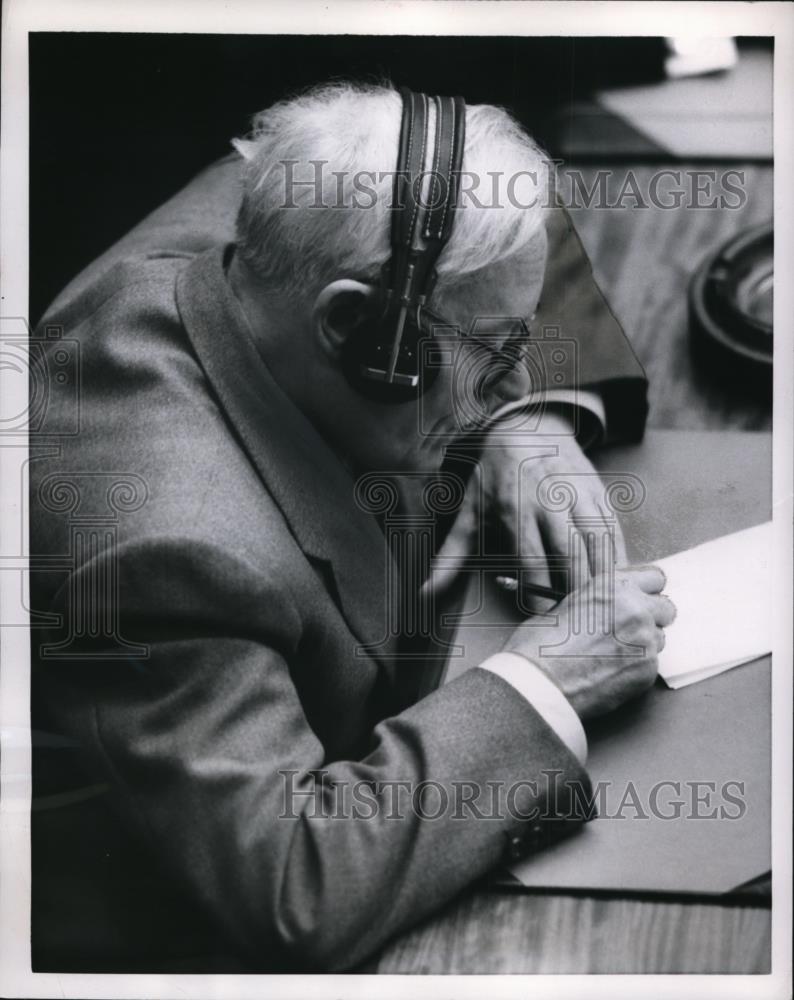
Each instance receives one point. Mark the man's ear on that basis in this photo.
(340, 310)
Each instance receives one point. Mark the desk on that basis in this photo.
(502, 932)
(642, 259)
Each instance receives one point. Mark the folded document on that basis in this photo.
(721, 592)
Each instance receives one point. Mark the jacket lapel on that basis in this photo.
(310, 485)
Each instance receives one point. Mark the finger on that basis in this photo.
(447, 563)
(650, 579)
(579, 575)
(664, 611)
(554, 534)
(597, 528)
(587, 520)
(619, 544)
(534, 567)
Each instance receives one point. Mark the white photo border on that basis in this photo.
(378, 17)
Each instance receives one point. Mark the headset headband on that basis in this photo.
(422, 213)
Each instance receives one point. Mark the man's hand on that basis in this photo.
(598, 668)
(513, 467)
(504, 494)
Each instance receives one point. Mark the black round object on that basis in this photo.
(730, 304)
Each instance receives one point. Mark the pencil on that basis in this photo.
(510, 584)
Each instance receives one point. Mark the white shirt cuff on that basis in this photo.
(596, 429)
(544, 696)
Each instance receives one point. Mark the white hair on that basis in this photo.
(297, 236)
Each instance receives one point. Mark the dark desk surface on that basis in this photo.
(643, 259)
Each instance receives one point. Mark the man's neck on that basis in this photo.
(265, 319)
(272, 326)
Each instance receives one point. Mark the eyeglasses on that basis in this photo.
(508, 371)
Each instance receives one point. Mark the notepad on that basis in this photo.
(721, 593)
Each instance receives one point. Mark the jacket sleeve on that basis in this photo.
(305, 862)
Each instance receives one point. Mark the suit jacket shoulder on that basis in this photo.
(212, 597)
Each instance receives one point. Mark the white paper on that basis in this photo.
(721, 592)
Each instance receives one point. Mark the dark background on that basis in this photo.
(118, 122)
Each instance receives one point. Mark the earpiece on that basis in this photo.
(382, 359)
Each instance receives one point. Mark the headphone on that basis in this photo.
(384, 363)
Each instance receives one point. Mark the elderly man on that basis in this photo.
(251, 741)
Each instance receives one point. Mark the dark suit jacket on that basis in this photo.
(204, 584)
